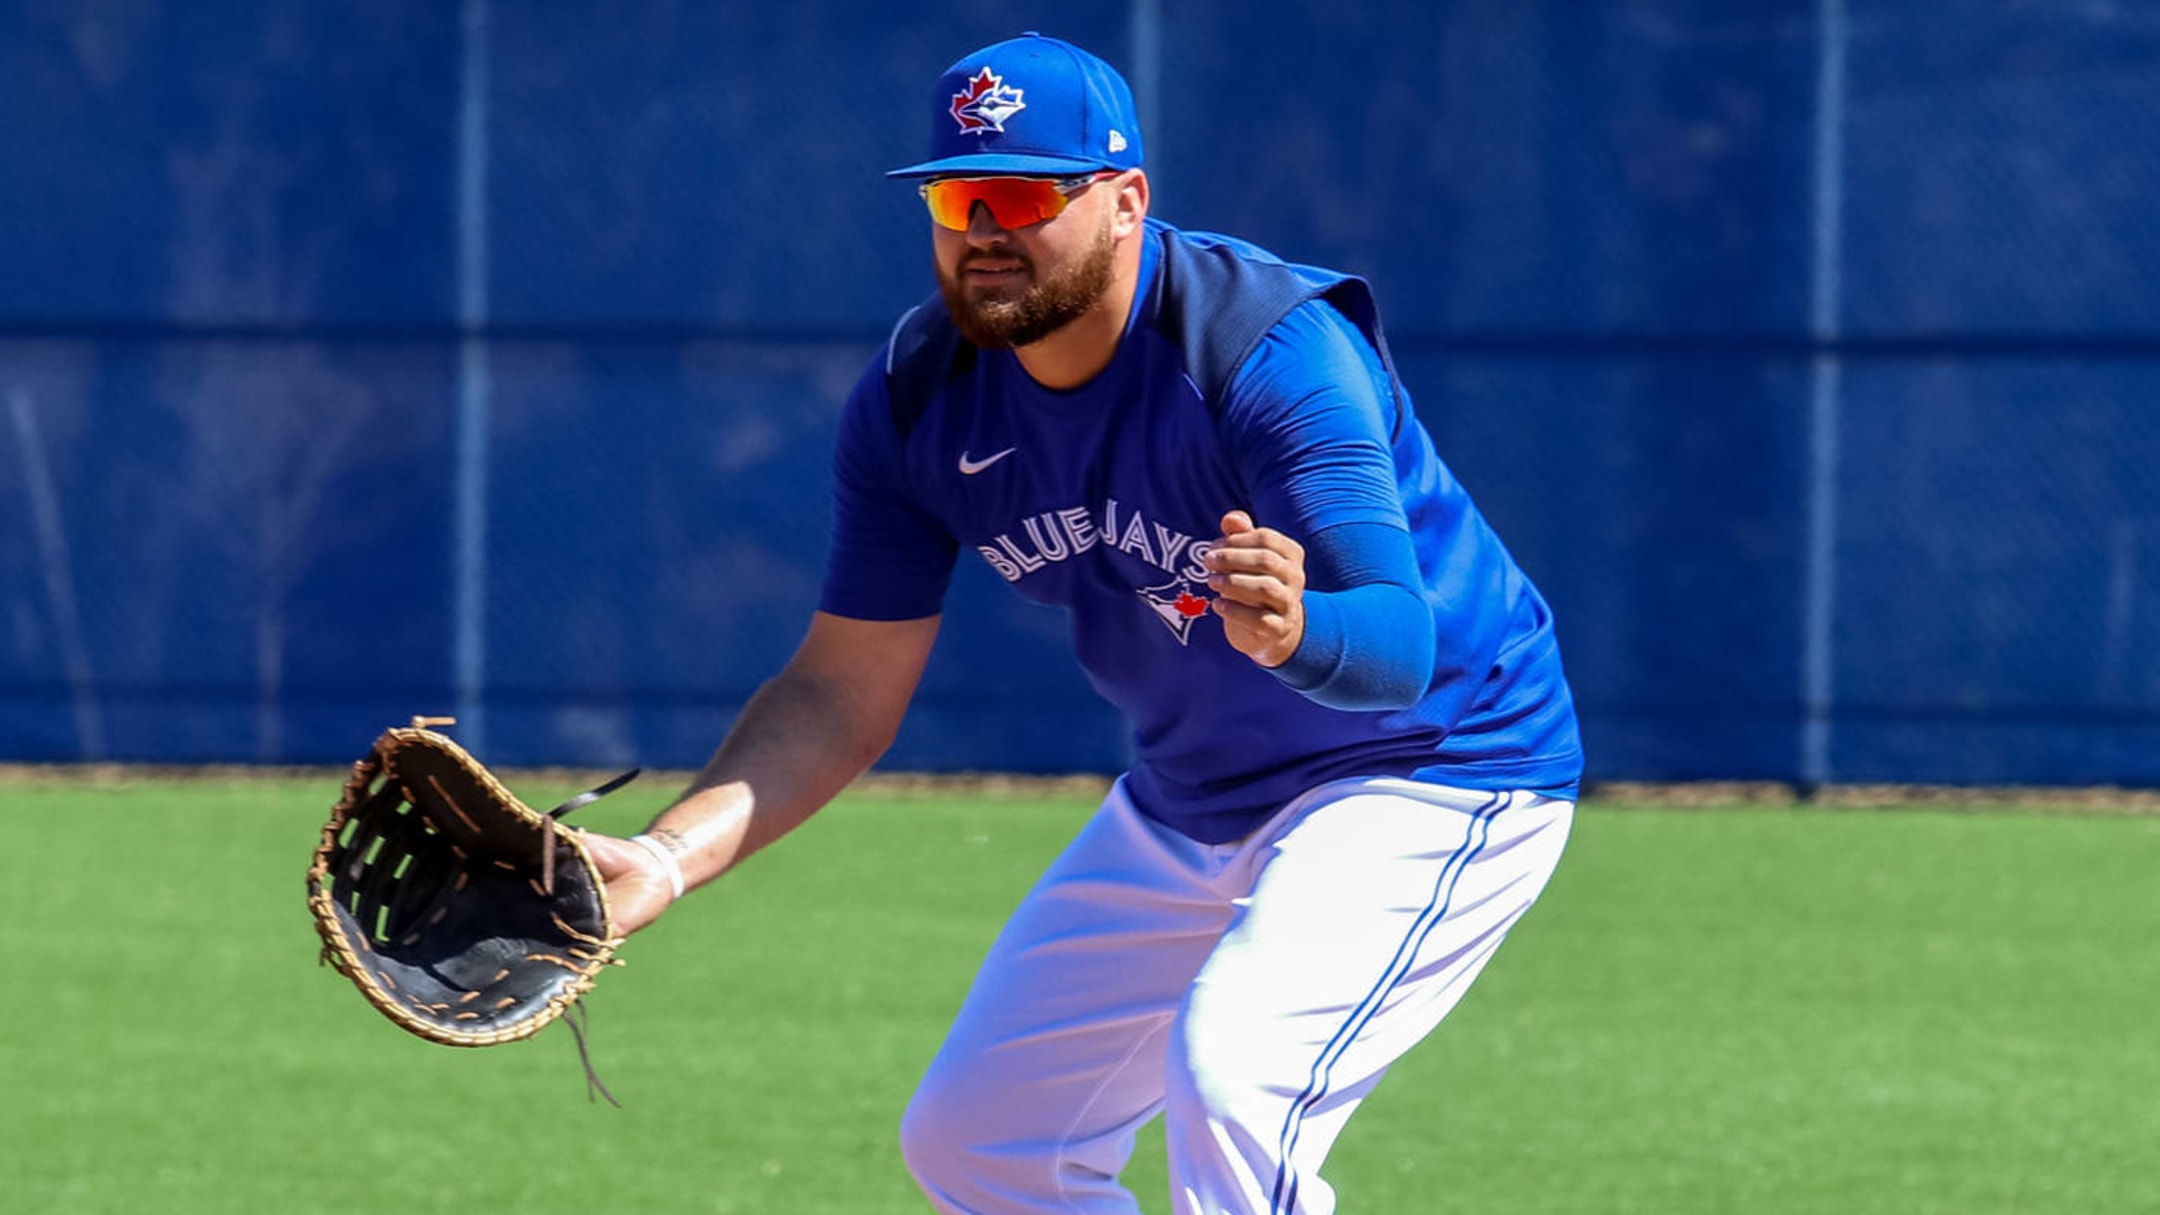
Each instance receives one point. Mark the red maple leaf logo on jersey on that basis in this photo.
(985, 104)
(1190, 605)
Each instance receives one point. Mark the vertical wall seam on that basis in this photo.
(1826, 373)
(469, 552)
(1146, 34)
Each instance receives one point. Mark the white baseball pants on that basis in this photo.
(1252, 993)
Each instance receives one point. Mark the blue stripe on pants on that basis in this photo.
(1284, 1199)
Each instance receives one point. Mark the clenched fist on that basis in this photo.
(1258, 576)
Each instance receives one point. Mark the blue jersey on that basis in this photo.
(1103, 500)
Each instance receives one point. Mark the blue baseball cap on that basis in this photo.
(1031, 105)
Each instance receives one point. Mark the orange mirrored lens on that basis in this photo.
(1014, 202)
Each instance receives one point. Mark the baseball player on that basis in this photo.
(1355, 752)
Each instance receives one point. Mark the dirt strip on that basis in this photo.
(1083, 786)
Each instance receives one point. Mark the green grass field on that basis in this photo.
(1752, 1010)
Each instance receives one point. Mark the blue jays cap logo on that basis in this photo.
(986, 104)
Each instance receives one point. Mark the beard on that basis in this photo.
(1046, 306)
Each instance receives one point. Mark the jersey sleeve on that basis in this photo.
(890, 558)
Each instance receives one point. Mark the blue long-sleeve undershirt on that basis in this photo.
(1370, 644)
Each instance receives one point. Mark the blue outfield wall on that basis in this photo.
(484, 357)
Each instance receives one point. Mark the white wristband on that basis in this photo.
(666, 858)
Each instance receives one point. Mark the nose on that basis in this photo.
(983, 227)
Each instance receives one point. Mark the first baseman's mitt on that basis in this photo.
(464, 916)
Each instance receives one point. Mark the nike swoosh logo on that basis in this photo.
(969, 468)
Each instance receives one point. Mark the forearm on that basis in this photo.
(1369, 645)
(797, 744)
(1366, 648)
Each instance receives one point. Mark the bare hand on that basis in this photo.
(1258, 576)
(638, 889)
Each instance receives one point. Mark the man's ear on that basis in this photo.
(1132, 205)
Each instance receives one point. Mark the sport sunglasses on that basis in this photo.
(1014, 202)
